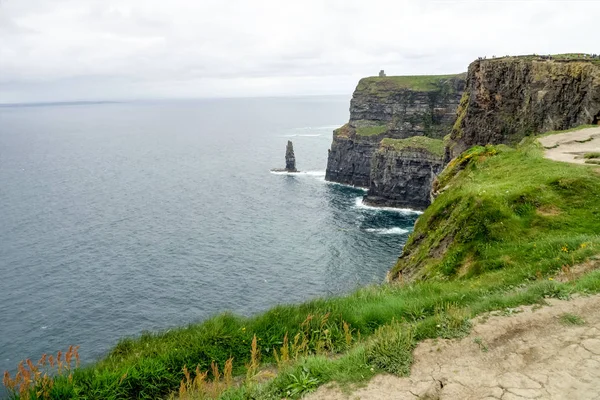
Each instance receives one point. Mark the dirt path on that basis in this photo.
(571, 146)
(530, 354)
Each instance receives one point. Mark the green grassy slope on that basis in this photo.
(505, 208)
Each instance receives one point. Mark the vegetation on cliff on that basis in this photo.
(502, 208)
(421, 83)
(371, 130)
(434, 146)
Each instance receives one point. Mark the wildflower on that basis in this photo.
(564, 249)
(550, 279)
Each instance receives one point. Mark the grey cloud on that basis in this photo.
(104, 49)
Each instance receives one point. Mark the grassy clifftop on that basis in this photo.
(434, 146)
(503, 208)
(420, 83)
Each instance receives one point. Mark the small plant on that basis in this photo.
(452, 321)
(252, 366)
(36, 381)
(391, 349)
(591, 155)
(302, 383)
(482, 346)
(571, 319)
(347, 334)
(283, 358)
(199, 388)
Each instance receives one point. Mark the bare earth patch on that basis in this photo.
(571, 146)
(529, 354)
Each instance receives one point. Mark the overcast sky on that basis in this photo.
(56, 50)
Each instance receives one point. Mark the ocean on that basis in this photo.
(119, 218)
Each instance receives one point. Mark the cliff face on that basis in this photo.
(403, 170)
(509, 98)
(391, 107)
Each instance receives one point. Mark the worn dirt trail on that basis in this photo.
(571, 146)
(529, 354)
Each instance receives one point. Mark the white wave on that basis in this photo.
(300, 173)
(359, 203)
(388, 231)
(350, 186)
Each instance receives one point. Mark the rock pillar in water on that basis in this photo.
(290, 159)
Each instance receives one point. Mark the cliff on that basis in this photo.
(499, 208)
(512, 97)
(402, 172)
(391, 107)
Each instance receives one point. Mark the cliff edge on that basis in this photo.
(395, 107)
(509, 98)
(403, 170)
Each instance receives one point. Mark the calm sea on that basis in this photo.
(120, 218)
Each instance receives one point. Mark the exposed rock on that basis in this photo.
(402, 171)
(512, 97)
(391, 107)
(290, 159)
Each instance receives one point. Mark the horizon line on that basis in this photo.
(156, 99)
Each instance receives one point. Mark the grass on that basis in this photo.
(385, 323)
(553, 57)
(434, 146)
(591, 155)
(571, 319)
(505, 208)
(421, 83)
(505, 223)
(342, 131)
(371, 130)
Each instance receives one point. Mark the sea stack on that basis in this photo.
(290, 159)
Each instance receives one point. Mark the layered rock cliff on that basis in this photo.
(512, 97)
(403, 170)
(391, 107)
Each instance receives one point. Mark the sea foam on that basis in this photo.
(359, 204)
(388, 231)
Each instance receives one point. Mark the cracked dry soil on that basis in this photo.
(530, 354)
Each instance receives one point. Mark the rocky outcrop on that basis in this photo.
(290, 159)
(512, 97)
(403, 170)
(391, 107)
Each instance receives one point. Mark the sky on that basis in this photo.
(69, 50)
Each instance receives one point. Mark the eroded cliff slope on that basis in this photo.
(512, 97)
(403, 170)
(391, 107)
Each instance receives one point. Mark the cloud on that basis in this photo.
(99, 49)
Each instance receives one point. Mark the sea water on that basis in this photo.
(123, 217)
